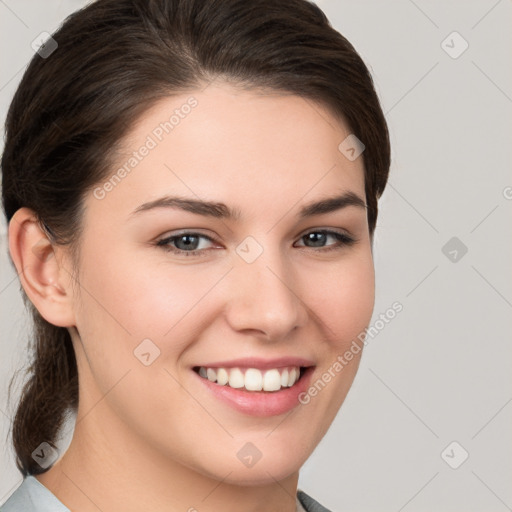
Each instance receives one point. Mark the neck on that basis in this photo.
(109, 468)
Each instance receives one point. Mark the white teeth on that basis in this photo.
(222, 376)
(211, 374)
(253, 379)
(292, 377)
(236, 378)
(272, 381)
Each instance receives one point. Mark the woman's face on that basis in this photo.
(269, 289)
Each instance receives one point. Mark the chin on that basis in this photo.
(261, 474)
(237, 468)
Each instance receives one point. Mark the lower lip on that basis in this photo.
(261, 403)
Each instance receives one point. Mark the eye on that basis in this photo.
(186, 244)
(189, 243)
(319, 237)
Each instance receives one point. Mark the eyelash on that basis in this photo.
(343, 241)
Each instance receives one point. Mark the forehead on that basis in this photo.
(251, 148)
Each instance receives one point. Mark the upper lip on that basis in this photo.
(260, 363)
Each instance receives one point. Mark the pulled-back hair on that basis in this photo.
(114, 60)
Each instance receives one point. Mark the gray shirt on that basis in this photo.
(33, 496)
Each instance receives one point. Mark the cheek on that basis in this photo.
(144, 298)
(345, 306)
(129, 299)
(345, 301)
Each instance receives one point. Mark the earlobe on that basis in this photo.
(43, 277)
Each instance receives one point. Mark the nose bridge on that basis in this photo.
(265, 296)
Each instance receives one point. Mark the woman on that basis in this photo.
(191, 188)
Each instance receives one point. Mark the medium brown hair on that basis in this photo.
(115, 59)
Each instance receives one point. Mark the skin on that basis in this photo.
(152, 437)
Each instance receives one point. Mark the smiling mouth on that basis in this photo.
(253, 379)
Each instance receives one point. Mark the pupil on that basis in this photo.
(317, 237)
(188, 244)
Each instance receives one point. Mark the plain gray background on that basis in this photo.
(434, 384)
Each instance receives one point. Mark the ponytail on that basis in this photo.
(48, 395)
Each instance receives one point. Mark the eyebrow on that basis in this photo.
(222, 211)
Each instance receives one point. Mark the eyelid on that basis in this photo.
(212, 238)
(339, 231)
(177, 234)
(347, 238)
(344, 239)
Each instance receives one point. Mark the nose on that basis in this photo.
(265, 297)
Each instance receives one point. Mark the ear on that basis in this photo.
(41, 269)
